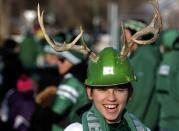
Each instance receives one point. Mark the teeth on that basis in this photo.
(110, 106)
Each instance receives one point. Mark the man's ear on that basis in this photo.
(89, 92)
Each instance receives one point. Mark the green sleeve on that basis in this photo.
(61, 104)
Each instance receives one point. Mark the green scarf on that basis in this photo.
(92, 120)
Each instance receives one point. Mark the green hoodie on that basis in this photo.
(143, 104)
(168, 90)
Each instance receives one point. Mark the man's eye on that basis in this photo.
(120, 90)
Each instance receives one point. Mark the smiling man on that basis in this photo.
(111, 101)
(108, 85)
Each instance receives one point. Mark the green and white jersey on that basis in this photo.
(70, 94)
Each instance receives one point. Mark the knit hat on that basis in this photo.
(72, 56)
(169, 37)
(24, 84)
(135, 25)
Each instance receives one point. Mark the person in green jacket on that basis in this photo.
(70, 95)
(30, 50)
(145, 61)
(168, 82)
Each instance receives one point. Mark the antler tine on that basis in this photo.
(157, 10)
(125, 47)
(85, 50)
(66, 46)
(154, 27)
(56, 45)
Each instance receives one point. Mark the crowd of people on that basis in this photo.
(42, 72)
(50, 88)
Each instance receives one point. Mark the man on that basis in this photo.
(168, 82)
(108, 85)
(70, 95)
(147, 108)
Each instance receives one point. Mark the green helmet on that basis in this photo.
(110, 69)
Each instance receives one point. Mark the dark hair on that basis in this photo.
(176, 44)
(8, 47)
(9, 44)
(60, 36)
(123, 86)
(127, 85)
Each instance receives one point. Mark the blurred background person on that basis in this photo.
(30, 50)
(168, 82)
(19, 104)
(11, 66)
(145, 60)
(70, 94)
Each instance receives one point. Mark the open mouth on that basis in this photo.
(110, 107)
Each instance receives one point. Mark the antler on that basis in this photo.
(66, 46)
(125, 49)
(153, 28)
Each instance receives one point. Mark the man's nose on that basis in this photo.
(111, 95)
